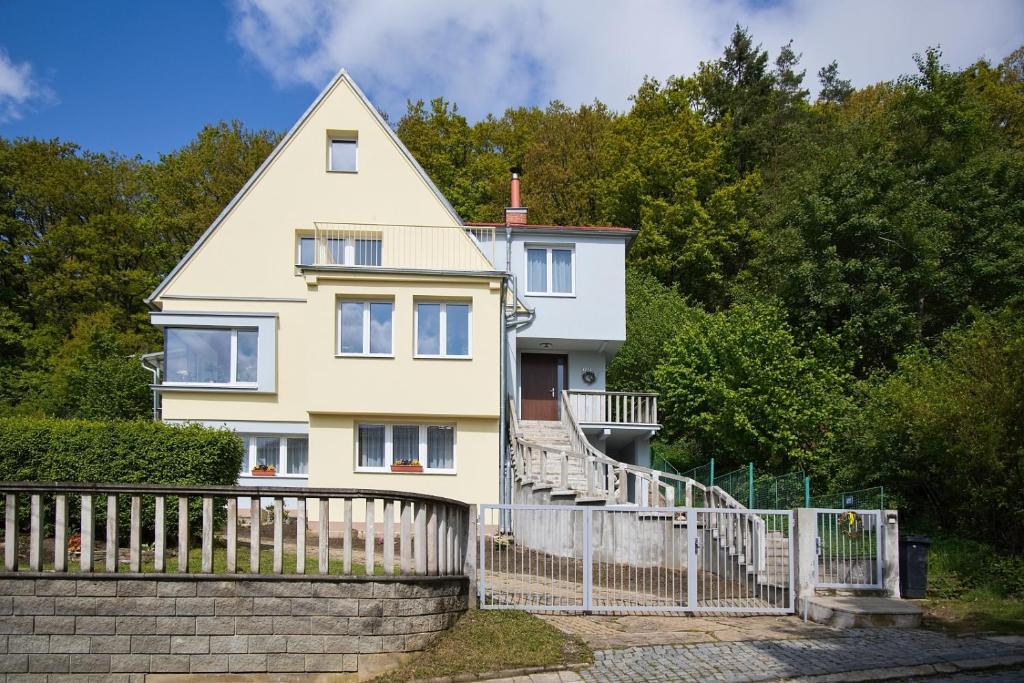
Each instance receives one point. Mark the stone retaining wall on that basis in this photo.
(108, 625)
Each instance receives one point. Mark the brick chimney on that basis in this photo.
(515, 213)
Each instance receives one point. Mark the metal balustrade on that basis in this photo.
(402, 533)
(405, 247)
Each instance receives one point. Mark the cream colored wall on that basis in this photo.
(332, 461)
(312, 379)
(251, 256)
(252, 250)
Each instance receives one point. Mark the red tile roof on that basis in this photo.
(567, 228)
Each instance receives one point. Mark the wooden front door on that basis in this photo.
(544, 377)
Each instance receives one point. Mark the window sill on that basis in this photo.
(225, 388)
(343, 171)
(423, 357)
(364, 355)
(387, 470)
(552, 295)
(248, 475)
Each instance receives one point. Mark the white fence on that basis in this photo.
(849, 549)
(636, 559)
(613, 407)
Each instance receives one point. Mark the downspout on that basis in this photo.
(505, 479)
(155, 370)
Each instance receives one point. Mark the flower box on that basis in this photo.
(407, 468)
(269, 472)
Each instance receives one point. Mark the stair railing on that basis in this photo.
(742, 535)
(609, 478)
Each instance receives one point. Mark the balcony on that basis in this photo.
(398, 247)
(613, 408)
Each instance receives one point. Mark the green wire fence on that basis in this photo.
(767, 492)
(863, 499)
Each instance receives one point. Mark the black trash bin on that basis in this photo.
(914, 566)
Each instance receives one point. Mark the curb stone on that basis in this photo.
(505, 673)
(900, 672)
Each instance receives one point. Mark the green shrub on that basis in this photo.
(139, 452)
(958, 566)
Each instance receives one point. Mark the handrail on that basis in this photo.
(613, 407)
(432, 533)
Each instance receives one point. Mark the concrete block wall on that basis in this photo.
(111, 628)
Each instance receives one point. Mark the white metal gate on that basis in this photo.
(635, 559)
(849, 548)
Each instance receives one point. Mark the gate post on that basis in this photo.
(588, 559)
(806, 538)
(473, 538)
(891, 552)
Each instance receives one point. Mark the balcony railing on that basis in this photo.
(414, 247)
(614, 408)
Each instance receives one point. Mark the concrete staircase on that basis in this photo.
(554, 439)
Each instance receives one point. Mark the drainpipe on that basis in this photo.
(505, 479)
(154, 368)
(502, 411)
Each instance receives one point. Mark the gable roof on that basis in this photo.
(342, 75)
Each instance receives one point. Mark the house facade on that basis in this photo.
(340, 317)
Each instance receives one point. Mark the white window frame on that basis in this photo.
(249, 439)
(443, 331)
(348, 250)
(389, 446)
(549, 269)
(298, 250)
(331, 139)
(365, 353)
(232, 365)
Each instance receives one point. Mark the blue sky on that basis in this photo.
(143, 77)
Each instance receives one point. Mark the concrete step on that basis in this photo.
(863, 612)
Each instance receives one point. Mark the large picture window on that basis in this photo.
(365, 328)
(211, 356)
(443, 330)
(550, 270)
(288, 455)
(378, 446)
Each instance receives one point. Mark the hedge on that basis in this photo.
(138, 452)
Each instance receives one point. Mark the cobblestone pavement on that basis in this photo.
(769, 660)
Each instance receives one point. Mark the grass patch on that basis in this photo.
(492, 640)
(975, 611)
(972, 588)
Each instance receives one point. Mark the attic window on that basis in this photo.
(341, 154)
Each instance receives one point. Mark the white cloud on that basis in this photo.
(18, 88)
(490, 55)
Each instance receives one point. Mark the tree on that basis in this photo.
(654, 314)
(946, 432)
(834, 90)
(97, 375)
(669, 177)
(739, 385)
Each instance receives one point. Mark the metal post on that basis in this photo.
(807, 492)
(711, 478)
(588, 566)
(750, 486)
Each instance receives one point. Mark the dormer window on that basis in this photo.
(342, 153)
